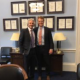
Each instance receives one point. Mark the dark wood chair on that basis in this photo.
(5, 55)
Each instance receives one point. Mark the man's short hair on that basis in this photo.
(30, 19)
(41, 17)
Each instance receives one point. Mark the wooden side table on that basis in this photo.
(56, 62)
(17, 58)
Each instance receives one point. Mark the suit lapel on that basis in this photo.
(44, 34)
(28, 34)
(37, 30)
(36, 33)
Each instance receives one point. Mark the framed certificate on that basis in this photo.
(65, 23)
(24, 20)
(18, 8)
(49, 21)
(36, 7)
(55, 6)
(10, 24)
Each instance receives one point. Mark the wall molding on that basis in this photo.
(70, 67)
(68, 50)
(64, 50)
(66, 67)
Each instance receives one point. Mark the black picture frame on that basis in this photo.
(55, 6)
(19, 8)
(10, 24)
(36, 9)
(49, 21)
(23, 24)
(65, 23)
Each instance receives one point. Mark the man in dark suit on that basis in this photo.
(44, 46)
(27, 47)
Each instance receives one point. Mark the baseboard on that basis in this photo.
(66, 67)
(69, 67)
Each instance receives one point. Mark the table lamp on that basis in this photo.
(15, 37)
(59, 37)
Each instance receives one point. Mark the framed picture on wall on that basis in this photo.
(24, 20)
(55, 6)
(65, 23)
(49, 21)
(10, 24)
(18, 8)
(36, 7)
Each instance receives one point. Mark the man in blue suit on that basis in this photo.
(44, 45)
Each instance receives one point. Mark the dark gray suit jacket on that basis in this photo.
(24, 41)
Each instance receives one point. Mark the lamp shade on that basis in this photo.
(15, 37)
(59, 37)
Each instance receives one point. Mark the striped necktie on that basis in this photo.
(32, 39)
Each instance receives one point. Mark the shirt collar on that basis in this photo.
(41, 27)
(29, 29)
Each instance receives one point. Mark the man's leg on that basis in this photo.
(26, 64)
(47, 62)
(32, 63)
(39, 58)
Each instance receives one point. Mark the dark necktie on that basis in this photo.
(32, 39)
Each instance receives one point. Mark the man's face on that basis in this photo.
(40, 22)
(31, 24)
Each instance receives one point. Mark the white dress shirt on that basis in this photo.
(42, 36)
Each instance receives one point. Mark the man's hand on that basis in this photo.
(50, 51)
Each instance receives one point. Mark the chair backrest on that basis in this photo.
(5, 51)
(78, 71)
(11, 72)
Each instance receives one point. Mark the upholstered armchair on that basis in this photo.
(78, 71)
(12, 72)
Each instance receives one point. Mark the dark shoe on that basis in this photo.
(39, 78)
(48, 78)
